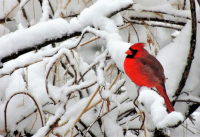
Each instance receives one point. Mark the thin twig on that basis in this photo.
(24, 4)
(75, 74)
(131, 120)
(92, 97)
(46, 79)
(16, 68)
(95, 120)
(30, 114)
(74, 15)
(34, 122)
(126, 113)
(55, 123)
(133, 28)
(187, 129)
(100, 100)
(11, 11)
(184, 5)
(90, 132)
(5, 110)
(87, 71)
(188, 100)
(51, 7)
(156, 24)
(104, 115)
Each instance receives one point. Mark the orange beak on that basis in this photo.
(129, 52)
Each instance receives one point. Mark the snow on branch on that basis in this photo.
(158, 20)
(158, 24)
(163, 9)
(54, 31)
(192, 49)
(89, 99)
(159, 114)
(189, 99)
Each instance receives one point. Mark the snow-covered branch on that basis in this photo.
(60, 30)
(67, 60)
(192, 48)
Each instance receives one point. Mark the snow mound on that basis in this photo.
(171, 120)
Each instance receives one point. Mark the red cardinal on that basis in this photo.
(145, 70)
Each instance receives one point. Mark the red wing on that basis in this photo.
(152, 67)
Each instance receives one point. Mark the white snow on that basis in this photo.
(58, 28)
(100, 71)
(42, 131)
(170, 120)
(164, 7)
(22, 3)
(6, 6)
(3, 30)
(93, 19)
(173, 67)
(46, 10)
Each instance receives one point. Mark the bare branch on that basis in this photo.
(4, 20)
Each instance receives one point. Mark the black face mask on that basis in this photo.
(134, 52)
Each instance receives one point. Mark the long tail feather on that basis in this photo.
(162, 92)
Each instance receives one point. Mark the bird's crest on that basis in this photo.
(138, 46)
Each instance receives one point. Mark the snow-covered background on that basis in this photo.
(62, 68)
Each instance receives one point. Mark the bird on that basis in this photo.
(145, 70)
